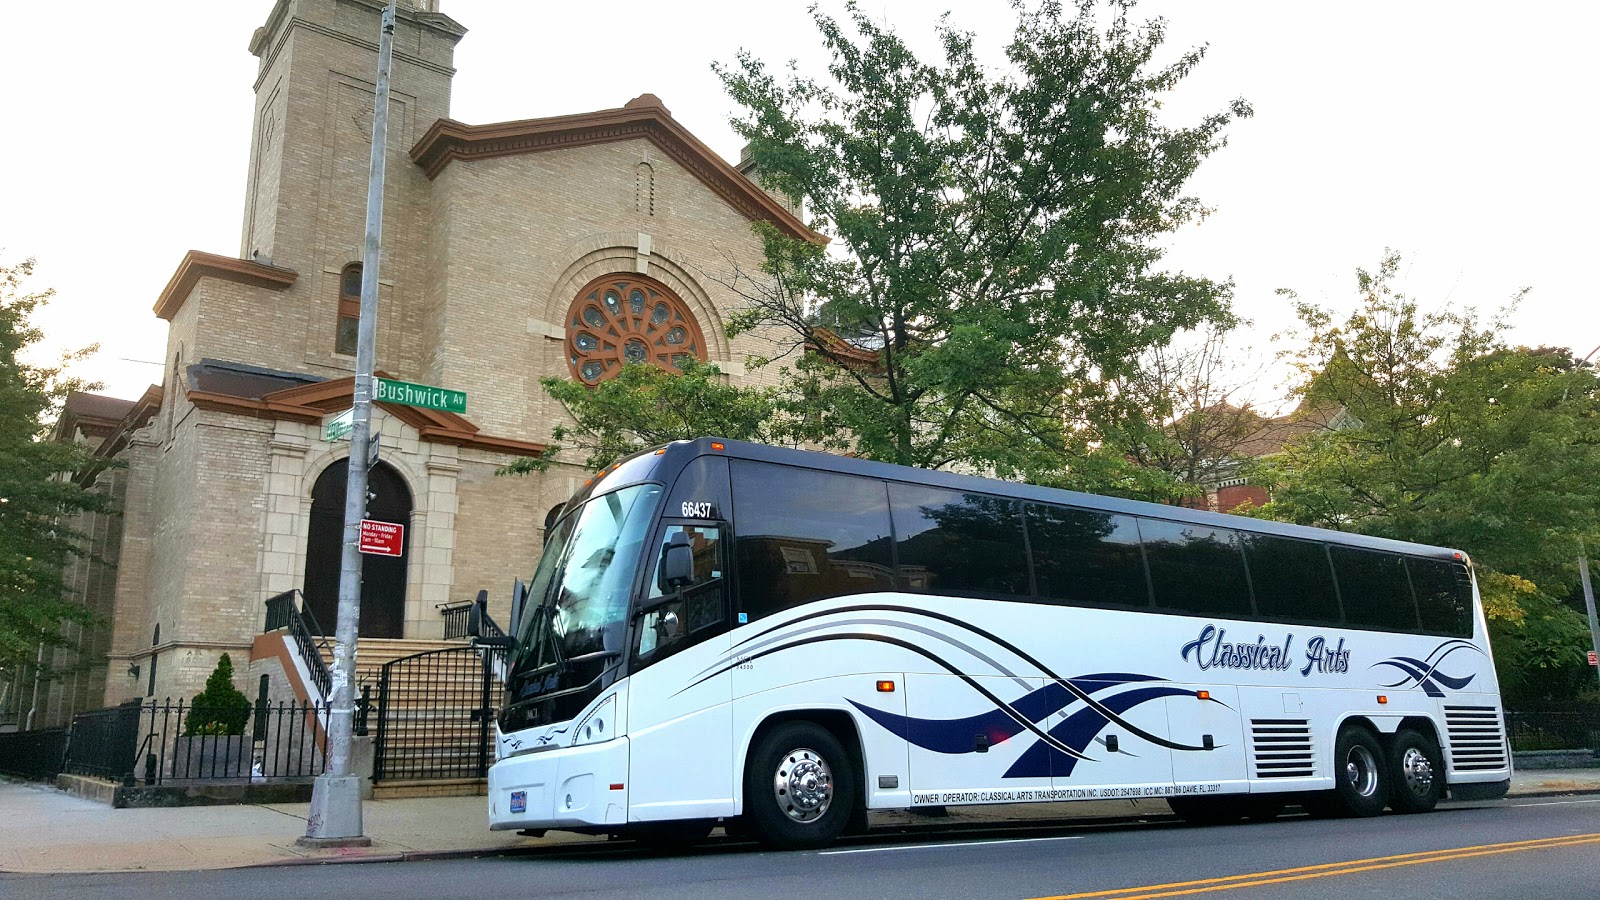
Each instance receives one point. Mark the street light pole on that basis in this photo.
(1588, 600)
(335, 819)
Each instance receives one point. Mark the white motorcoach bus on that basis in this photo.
(782, 640)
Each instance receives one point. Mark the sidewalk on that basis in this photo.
(43, 830)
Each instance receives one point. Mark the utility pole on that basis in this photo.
(335, 819)
(1588, 600)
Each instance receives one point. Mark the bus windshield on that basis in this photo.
(583, 581)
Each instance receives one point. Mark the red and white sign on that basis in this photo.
(381, 538)
(1594, 660)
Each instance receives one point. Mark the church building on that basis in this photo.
(512, 251)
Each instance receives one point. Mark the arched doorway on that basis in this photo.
(383, 578)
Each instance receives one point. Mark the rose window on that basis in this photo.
(623, 319)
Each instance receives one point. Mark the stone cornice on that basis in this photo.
(143, 410)
(312, 403)
(197, 264)
(281, 24)
(644, 117)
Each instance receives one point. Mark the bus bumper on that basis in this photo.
(570, 788)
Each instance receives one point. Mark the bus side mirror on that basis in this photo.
(519, 597)
(475, 615)
(677, 562)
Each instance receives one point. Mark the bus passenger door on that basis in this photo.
(1215, 721)
(679, 713)
(964, 748)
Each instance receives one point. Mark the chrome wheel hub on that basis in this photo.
(1418, 771)
(803, 785)
(1361, 771)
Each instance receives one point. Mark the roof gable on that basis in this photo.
(642, 117)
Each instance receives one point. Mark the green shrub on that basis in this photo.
(220, 709)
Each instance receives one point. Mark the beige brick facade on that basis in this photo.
(489, 233)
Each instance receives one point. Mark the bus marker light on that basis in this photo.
(1382, 698)
(1202, 695)
(885, 687)
(716, 445)
(616, 787)
(661, 451)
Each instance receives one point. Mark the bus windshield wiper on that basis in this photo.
(562, 665)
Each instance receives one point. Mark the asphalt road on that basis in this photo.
(1535, 848)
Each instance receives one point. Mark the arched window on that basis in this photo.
(625, 318)
(349, 309)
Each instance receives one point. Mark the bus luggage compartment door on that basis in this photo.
(964, 749)
(1212, 724)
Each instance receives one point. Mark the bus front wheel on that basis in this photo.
(799, 787)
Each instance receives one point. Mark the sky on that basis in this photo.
(1460, 134)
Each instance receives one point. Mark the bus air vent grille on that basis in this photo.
(1282, 747)
(1477, 739)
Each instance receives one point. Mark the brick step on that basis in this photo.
(428, 787)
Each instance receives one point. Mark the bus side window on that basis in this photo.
(806, 535)
(1444, 596)
(1196, 569)
(702, 604)
(959, 544)
(1292, 579)
(1374, 589)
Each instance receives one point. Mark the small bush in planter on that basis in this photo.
(220, 709)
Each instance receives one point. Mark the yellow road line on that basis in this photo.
(1324, 870)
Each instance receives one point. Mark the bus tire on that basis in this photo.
(799, 787)
(1416, 771)
(1360, 775)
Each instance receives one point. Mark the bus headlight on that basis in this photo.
(599, 725)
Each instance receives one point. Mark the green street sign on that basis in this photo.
(338, 427)
(407, 394)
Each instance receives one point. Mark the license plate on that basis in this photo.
(519, 801)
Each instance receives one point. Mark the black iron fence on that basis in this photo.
(33, 754)
(1567, 728)
(435, 712)
(286, 611)
(279, 742)
(103, 742)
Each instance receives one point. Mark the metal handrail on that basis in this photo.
(284, 612)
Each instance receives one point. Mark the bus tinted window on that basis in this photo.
(1444, 596)
(1195, 569)
(1374, 589)
(805, 535)
(1086, 557)
(947, 542)
(1292, 580)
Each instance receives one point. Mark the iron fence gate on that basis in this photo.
(434, 715)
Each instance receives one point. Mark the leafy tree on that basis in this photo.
(1458, 440)
(36, 503)
(644, 406)
(221, 708)
(1175, 417)
(995, 238)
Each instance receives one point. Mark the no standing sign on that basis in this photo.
(381, 538)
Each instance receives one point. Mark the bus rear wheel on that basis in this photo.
(1418, 772)
(799, 787)
(1360, 776)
